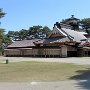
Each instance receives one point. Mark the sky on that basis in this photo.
(22, 14)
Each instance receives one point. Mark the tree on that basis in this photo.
(10, 35)
(35, 29)
(33, 32)
(23, 34)
(1, 30)
(85, 23)
(39, 31)
(2, 14)
(1, 35)
(63, 21)
(46, 30)
(4, 40)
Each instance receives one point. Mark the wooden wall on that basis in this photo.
(33, 52)
(41, 52)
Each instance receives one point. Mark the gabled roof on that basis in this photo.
(71, 34)
(57, 32)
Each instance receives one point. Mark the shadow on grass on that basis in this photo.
(83, 78)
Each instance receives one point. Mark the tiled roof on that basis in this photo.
(56, 40)
(61, 35)
(24, 43)
(65, 32)
(40, 41)
(77, 36)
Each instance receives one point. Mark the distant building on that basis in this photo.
(74, 22)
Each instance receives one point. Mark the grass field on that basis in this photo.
(37, 71)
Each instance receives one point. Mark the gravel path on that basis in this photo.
(62, 85)
(74, 60)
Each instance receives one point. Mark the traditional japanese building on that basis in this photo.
(62, 42)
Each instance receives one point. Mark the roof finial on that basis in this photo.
(72, 16)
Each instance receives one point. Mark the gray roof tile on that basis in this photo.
(23, 43)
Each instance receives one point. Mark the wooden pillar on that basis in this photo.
(64, 51)
(45, 52)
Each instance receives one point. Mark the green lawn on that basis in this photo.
(37, 71)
